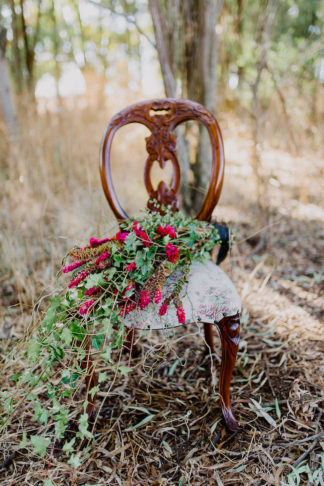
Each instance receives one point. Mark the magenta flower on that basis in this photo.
(144, 299)
(163, 309)
(103, 257)
(181, 315)
(137, 230)
(131, 267)
(167, 230)
(92, 290)
(121, 236)
(145, 239)
(172, 252)
(130, 306)
(71, 267)
(86, 307)
(157, 296)
(81, 276)
(172, 232)
(94, 242)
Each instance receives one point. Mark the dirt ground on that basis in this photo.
(277, 266)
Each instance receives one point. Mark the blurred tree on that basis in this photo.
(6, 97)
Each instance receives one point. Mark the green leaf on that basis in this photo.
(124, 370)
(75, 460)
(83, 426)
(96, 341)
(40, 444)
(78, 332)
(278, 411)
(68, 446)
(66, 336)
(106, 355)
(102, 377)
(144, 421)
(95, 280)
(34, 347)
(23, 441)
(48, 482)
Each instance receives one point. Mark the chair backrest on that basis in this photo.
(161, 116)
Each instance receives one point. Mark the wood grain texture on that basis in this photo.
(161, 117)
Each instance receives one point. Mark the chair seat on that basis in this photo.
(209, 296)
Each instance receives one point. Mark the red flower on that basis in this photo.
(94, 242)
(131, 267)
(181, 315)
(157, 296)
(92, 290)
(121, 236)
(103, 257)
(172, 252)
(71, 267)
(167, 230)
(137, 230)
(144, 299)
(163, 309)
(130, 306)
(86, 307)
(145, 239)
(78, 279)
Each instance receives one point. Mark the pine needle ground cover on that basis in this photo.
(162, 424)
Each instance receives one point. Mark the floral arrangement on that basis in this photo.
(126, 272)
(110, 278)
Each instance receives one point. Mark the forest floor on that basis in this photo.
(52, 199)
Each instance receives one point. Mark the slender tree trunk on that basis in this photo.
(30, 44)
(6, 97)
(17, 59)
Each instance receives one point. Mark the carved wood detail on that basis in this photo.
(161, 117)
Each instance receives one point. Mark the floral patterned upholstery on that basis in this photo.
(208, 296)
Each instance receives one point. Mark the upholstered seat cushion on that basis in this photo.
(208, 296)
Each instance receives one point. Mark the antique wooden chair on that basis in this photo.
(211, 297)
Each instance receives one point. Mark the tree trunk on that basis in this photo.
(6, 97)
(187, 47)
(15, 39)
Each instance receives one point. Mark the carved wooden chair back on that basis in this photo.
(161, 117)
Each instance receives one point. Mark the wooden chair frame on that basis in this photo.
(161, 117)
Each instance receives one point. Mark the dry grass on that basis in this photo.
(52, 199)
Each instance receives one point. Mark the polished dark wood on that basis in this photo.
(161, 117)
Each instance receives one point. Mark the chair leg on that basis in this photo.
(129, 342)
(91, 378)
(229, 330)
(209, 337)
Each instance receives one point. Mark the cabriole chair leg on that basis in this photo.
(229, 330)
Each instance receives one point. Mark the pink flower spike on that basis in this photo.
(163, 231)
(81, 276)
(93, 242)
(86, 307)
(71, 267)
(121, 236)
(163, 309)
(92, 290)
(103, 257)
(157, 296)
(181, 315)
(144, 299)
(131, 267)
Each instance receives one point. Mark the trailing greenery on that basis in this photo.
(111, 278)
